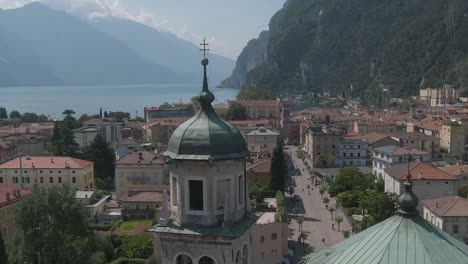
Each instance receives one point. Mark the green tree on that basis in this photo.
(29, 117)
(137, 246)
(3, 113)
(380, 206)
(51, 227)
(166, 105)
(103, 156)
(236, 111)
(42, 118)
(256, 94)
(331, 210)
(3, 253)
(322, 191)
(325, 161)
(338, 220)
(300, 220)
(347, 199)
(350, 179)
(278, 170)
(100, 113)
(15, 114)
(326, 200)
(119, 116)
(463, 191)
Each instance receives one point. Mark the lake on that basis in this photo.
(53, 100)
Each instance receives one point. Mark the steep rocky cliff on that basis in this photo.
(250, 58)
(331, 46)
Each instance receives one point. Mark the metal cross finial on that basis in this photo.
(204, 49)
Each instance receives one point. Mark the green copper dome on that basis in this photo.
(405, 238)
(205, 136)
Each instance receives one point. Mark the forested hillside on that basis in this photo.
(329, 45)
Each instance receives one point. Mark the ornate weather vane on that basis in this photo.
(204, 49)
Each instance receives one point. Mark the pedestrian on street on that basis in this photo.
(333, 226)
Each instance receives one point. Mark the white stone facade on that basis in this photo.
(352, 152)
(224, 177)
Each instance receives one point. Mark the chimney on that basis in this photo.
(51, 160)
(420, 175)
(437, 205)
(8, 196)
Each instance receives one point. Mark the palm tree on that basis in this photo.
(338, 220)
(326, 200)
(300, 220)
(331, 209)
(303, 236)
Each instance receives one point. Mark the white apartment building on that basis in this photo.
(428, 181)
(385, 157)
(261, 139)
(352, 152)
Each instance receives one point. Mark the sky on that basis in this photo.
(227, 24)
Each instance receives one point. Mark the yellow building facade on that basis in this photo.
(140, 168)
(48, 172)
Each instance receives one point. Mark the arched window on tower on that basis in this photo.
(183, 259)
(206, 260)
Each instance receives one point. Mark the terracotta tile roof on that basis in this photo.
(395, 150)
(93, 121)
(260, 165)
(142, 157)
(448, 206)
(144, 197)
(418, 171)
(456, 170)
(148, 188)
(47, 163)
(4, 189)
(374, 137)
(256, 122)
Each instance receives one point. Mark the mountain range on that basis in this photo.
(41, 46)
(359, 47)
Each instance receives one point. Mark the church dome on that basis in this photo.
(205, 136)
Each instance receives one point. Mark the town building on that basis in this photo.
(258, 171)
(432, 97)
(261, 139)
(405, 238)
(377, 140)
(95, 204)
(28, 144)
(352, 151)
(322, 142)
(24, 172)
(262, 109)
(143, 202)
(160, 131)
(421, 141)
(429, 181)
(7, 151)
(9, 198)
(127, 146)
(385, 157)
(180, 112)
(139, 168)
(207, 219)
(452, 139)
(449, 214)
(85, 135)
(459, 171)
(384, 127)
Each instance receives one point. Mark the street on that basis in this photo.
(317, 219)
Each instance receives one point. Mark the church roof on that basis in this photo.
(405, 238)
(205, 136)
(397, 240)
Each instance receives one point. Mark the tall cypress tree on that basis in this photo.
(3, 254)
(278, 170)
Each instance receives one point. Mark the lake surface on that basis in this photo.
(88, 99)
